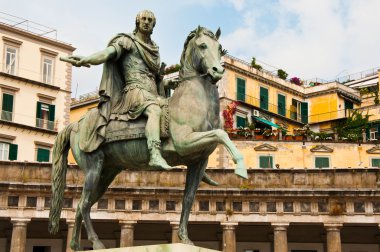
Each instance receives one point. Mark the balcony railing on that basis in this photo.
(6, 115)
(44, 124)
(290, 114)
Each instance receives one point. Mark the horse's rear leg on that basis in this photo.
(193, 177)
(93, 167)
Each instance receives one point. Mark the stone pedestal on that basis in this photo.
(19, 235)
(280, 237)
(126, 233)
(333, 237)
(175, 227)
(70, 229)
(177, 247)
(229, 237)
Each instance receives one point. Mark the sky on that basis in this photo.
(307, 38)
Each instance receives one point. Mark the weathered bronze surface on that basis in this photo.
(128, 90)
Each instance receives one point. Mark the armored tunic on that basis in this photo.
(139, 66)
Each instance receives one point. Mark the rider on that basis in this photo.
(128, 86)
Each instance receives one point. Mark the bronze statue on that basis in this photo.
(133, 91)
(193, 122)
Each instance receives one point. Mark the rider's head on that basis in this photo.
(145, 22)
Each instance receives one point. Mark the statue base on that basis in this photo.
(175, 247)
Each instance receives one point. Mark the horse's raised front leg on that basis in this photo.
(193, 177)
(195, 141)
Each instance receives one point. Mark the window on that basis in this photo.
(237, 206)
(43, 154)
(31, 201)
(7, 107)
(359, 207)
(45, 116)
(265, 161)
(375, 162)
(10, 60)
(119, 204)
(103, 204)
(153, 205)
(8, 151)
(288, 207)
(254, 206)
(376, 207)
(271, 207)
(67, 202)
(295, 110)
(170, 205)
(13, 201)
(47, 202)
(281, 104)
(47, 70)
(240, 89)
(220, 206)
(264, 99)
(240, 121)
(322, 162)
(373, 134)
(136, 205)
(305, 207)
(204, 205)
(322, 206)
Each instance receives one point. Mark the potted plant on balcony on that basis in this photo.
(299, 134)
(258, 134)
(289, 137)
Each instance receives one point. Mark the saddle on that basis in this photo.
(118, 130)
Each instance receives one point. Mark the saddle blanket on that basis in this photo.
(118, 130)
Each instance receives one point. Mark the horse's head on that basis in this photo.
(202, 55)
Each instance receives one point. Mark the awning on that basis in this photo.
(266, 122)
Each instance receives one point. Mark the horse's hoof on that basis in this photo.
(74, 246)
(187, 241)
(98, 245)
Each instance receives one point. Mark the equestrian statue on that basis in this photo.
(135, 127)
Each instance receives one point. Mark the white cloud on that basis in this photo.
(311, 38)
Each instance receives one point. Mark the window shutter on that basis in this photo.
(51, 112)
(39, 110)
(13, 149)
(348, 104)
(266, 162)
(376, 162)
(304, 112)
(43, 155)
(281, 105)
(322, 162)
(263, 98)
(262, 162)
(7, 102)
(240, 96)
(240, 121)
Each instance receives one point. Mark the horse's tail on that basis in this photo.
(58, 176)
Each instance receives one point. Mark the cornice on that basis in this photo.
(27, 34)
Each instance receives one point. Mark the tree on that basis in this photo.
(352, 128)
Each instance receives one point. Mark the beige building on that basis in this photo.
(35, 89)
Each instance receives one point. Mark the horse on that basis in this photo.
(194, 132)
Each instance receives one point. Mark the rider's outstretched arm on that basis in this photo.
(96, 58)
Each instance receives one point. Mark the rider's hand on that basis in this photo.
(79, 60)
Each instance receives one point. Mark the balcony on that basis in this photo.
(289, 114)
(6, 115)
(44, 124)
(328, 116)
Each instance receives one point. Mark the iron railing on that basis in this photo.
(6, 115)
(44, 124)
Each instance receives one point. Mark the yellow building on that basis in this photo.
(35, 89)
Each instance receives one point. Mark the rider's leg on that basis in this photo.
(152, 132)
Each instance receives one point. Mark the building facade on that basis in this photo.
(35, 90)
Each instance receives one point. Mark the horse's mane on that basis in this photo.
(192, 34)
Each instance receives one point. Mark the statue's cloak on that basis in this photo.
(93, 124)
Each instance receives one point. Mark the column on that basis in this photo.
(126, 233)
(229, 236)
(19, 234)
(280, 237)
(70, 229)
(175, 227)
(333, 237)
